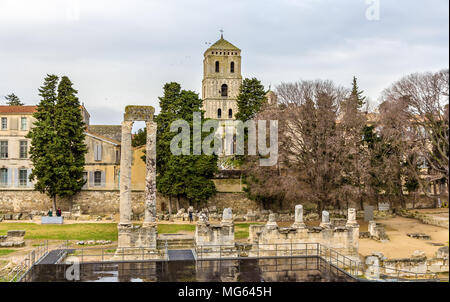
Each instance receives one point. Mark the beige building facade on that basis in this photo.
(102, 159)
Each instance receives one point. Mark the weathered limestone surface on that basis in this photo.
(216, 240)
(299, 224)
(130, 236)
(269, 237)
(125, 174)
(150, 179)
(13, 238)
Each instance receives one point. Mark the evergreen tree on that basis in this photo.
(182, 176)
(358, 94)
(13, 100)
(250, 99)
(140, 138)
(57, 140)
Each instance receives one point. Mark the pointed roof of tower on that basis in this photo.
(223, 44)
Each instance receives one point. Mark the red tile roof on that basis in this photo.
(17, 109)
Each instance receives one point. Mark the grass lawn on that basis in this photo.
(81, 231)
(97, 231)
(4, 252)
(241, 230)
(175, 228)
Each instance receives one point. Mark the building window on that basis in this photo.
(232, 67)
(23, 175)
(230, 113)
(4, 123)
(97, 152)
(97, 178)
(217, 66)
(3, 149)
(23, 149)
(23, 123)
(219, 113)
(3, 177)
(224, 90)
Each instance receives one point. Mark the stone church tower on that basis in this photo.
(221, 80)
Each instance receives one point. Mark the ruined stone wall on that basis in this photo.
(106, 202)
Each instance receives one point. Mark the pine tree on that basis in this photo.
(356, 93)
(13, 100)
(57, 140)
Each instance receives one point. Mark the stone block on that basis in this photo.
(52, 220)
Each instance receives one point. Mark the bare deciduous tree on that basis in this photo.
(425, 97)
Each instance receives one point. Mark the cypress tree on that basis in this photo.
(57, 140)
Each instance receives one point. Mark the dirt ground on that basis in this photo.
(402, 246)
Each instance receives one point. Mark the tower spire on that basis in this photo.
(221, 33)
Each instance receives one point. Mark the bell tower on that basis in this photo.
(221, 80)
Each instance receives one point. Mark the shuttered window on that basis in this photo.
(97, 152)
(3, 177)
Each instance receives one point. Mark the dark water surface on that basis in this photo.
(311, 269)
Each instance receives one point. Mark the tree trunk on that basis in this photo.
(178, 203)
(54, 205)
(170, 205)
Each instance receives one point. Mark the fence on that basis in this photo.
(33, 257)
(115, 254)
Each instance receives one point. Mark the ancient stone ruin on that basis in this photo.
(266, 238)
(135, 236)
(216, 240)
(13, 238)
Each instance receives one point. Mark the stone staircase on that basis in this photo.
(175, 241)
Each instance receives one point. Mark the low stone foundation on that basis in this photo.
(344, 239)
(216, 240)
(418, 265)
(13, 239)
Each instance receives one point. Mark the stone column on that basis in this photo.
(299, 224)
(150, 178)
(353, 227)
(227, 216)
(351, 218)
(272, 223)
(325, 220)
(125, 174)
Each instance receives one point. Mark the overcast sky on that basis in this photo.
(119, 53)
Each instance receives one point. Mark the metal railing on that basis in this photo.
(24, 266)
(115, 254)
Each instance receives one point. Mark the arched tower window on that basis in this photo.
(232, 67)
(219, 113)
(224, 90)
(217, 66)
(230, 113)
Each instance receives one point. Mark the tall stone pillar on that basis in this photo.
(353, 226)
(150, 178)
(125, 174)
